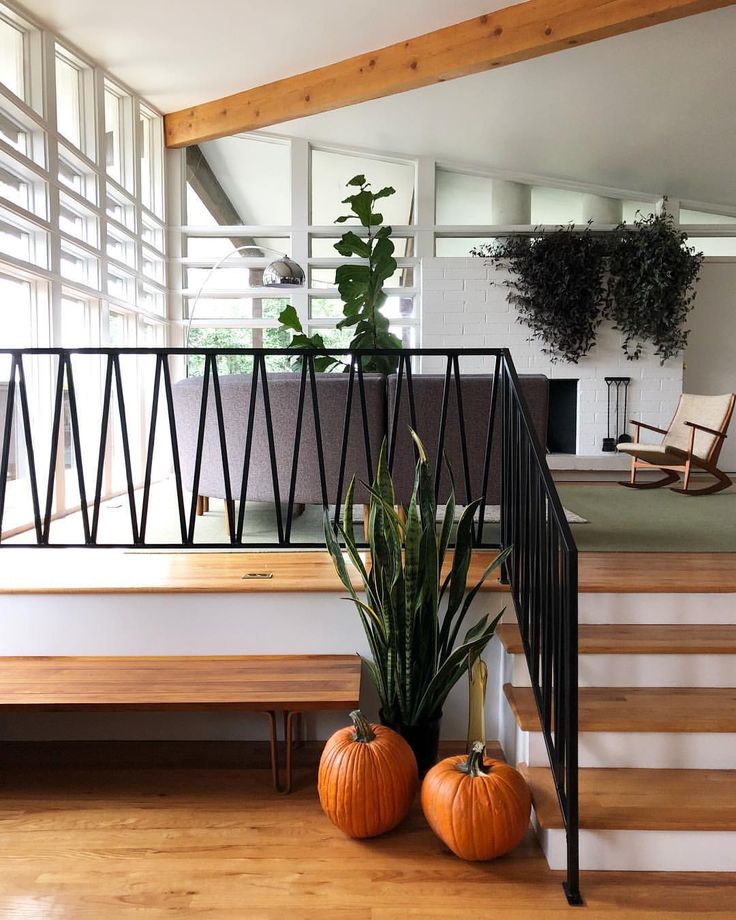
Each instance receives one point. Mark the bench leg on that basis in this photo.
(299, 733)
(289, 718)
(273, 742)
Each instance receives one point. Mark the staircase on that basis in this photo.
(657, 733)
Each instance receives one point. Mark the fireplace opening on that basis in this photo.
(562, 422)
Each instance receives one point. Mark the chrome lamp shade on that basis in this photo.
(283, 272)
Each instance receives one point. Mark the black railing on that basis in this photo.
(295, 439)
(543, 572)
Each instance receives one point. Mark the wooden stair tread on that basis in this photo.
(638, 709)
(657, 573)
(640, 639)
(637, 799)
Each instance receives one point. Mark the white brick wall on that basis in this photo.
(461, 308)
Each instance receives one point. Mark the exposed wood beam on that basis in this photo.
(213, 196)
(506, 36)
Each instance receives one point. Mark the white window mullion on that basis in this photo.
(300, 184)
(54, 240)
(136, 166)
(98, 87)
(176, 189)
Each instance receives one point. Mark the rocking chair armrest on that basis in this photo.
(633, 421)
(717, 434)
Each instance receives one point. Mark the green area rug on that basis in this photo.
(654, 521)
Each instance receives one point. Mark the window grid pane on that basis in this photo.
(79, 265)
(22, 186)
(118, 135)
(120, 208)
(69, 107)
(78, 221)
(152, 233)
(332, 170)
(121, 246)
(77, 175)
(68, 308)
(151, 159)
(22, 239)
(14, 134)
(152, 299)
(12, 57)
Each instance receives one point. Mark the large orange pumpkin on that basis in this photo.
(478, 807)
(367, 778)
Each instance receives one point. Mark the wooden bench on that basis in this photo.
(271, 684)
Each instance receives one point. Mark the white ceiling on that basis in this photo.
(180, 52)
(654, 111)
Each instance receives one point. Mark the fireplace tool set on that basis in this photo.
(617, 419)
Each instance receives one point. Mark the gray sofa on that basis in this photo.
(332, 390)
(283, 391)
(476, 390)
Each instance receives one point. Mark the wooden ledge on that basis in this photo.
(30, 570)
(112, 571)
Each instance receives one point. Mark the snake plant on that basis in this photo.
(412, 614)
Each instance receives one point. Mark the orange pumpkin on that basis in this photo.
(367, 778)
(478, 807)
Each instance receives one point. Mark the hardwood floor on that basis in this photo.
(101, 571)
(105, 842)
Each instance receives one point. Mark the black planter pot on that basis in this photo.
(423, 739)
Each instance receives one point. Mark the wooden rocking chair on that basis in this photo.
(693, 440)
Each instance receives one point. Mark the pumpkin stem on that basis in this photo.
(474, 765)
(363, 730)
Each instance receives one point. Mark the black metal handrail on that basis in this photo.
(543, 572)
(542, 569)
(90, 505)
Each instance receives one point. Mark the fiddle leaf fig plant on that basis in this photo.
(411, 612)
(361, 285)
(289, 320)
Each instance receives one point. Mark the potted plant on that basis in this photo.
(557, 286)
(651, 285)
(360, 285)
(564, 283)
(412, 614)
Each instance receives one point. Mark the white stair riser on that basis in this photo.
(643, 671)
(643, 750)
(645, 851)
(675, 609)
